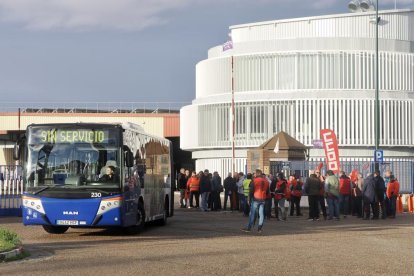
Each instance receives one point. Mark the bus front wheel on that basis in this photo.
(55, 229)
(139, 226)
(140, 217)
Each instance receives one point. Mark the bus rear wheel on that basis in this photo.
(166, 214)
(55, 229)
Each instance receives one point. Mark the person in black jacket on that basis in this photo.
(369, 197)
(312, 189)
(229, 186)
(215, 192)
(379, 193)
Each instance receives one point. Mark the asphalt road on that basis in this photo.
(197, 243)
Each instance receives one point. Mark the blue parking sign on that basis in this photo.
(379, 156)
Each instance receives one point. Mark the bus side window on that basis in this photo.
(139, 168)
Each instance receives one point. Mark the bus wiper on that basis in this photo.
(93, 189)
(89, 189)
(41, 190)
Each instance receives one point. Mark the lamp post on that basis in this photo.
(368, 5)
(233, 121)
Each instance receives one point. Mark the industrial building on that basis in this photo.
(163, 123)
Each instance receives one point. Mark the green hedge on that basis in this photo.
(8, 240)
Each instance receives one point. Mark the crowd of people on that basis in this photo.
(203, 184)
(267, 194)
(352, 194)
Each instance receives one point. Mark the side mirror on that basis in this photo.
(129, 159)
(16, 151)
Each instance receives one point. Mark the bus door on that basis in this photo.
(131, 190)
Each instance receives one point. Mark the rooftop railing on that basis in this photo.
(93, 107)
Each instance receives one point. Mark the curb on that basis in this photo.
(10, 254)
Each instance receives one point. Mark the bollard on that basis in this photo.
(410, 203)
(399, 204)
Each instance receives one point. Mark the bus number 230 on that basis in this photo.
(96, 194)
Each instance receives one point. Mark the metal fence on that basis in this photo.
(402, 170)
(11, 188)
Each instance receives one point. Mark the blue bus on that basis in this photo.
(94, 175)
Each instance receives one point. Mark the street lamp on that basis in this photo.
(354, 6)
(368, 5)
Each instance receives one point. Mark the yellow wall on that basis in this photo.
(6, 156)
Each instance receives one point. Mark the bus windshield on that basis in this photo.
(75, 159)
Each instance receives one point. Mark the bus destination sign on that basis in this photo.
(56, 136)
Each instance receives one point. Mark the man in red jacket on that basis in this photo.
(345, 188)
(393, 189)
(295, 186)
(280, 197)
(258, 192)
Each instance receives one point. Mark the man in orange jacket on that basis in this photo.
(193, 185)
(393, 189)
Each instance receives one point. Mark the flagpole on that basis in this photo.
(232, 118)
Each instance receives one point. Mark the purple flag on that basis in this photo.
(228, 45)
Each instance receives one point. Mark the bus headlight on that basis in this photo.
(33, 203)
(109, 204)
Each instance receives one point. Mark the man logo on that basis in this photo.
(70, 212)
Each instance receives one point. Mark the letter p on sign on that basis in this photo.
(379, 156)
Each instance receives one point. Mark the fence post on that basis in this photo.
(412, 177)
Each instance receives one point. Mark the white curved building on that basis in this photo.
(300, 76)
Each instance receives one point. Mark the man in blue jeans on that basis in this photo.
(258, 192)
(240, 191)
(205, 189)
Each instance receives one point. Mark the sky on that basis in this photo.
(86, 51)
